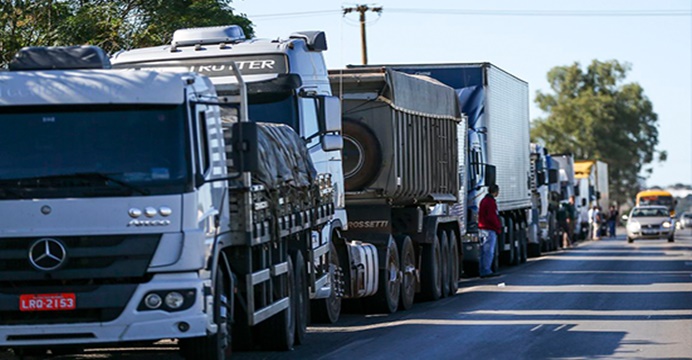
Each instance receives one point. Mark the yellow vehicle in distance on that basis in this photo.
(657, 197)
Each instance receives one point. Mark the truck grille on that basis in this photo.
(89, 259)
(102, 272)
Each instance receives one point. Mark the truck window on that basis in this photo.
(308, 109)
(203, 140)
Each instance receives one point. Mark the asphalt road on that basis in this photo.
(602, 299)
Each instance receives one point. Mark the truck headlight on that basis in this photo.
(667, 224)
(174, 300)
(152, 301)
(634, 226)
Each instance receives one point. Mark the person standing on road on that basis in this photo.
(571, 219)
(590, 216)
(597, 223)
(490, 228)
(612, 220)
(563, 224)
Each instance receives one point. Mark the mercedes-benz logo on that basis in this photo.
(47, 254)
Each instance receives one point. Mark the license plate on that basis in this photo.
(47, 302)
(650, 232)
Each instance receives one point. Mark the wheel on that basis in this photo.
(523, 243)
(215, 346)
(408, 271)
(431, 276)
(497, 254)
(278, 332)
(508, 257)
(327, 311)
(444, 263)
(671, 238)
(453, 263)
(362, 157)
(301, 305)
(534, 250)
(630, 240)
(389, 286)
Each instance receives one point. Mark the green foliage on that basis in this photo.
(112, 24)
(594, 115)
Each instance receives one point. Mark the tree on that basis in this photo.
(112, 24)
(594, 115)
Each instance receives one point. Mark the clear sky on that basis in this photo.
(659, 48)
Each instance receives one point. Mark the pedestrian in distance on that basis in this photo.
(612, 220)
(597, 223)
(571, 219)
(490, 228)
(590, 216)
(562, 217)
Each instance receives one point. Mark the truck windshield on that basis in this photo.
(279, 109)
(92, 151)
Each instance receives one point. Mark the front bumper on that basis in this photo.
(132, 325)
(651, 234)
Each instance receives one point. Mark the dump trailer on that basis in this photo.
(404, 167)
(287, 84)
(133, 212)
(497, 105)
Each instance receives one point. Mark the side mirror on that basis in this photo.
(489, 174)
(598, 195)
(331, 142)
(330, 114)
(553, 176)
(541, 178)
(624, 218)
(244, 142)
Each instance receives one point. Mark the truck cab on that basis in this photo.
(106, 223)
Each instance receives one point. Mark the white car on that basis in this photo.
(650, 222)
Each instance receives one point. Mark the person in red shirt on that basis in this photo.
(490, 227)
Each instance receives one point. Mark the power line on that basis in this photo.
(644, 13)
(564, 13)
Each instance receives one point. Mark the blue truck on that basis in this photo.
(497, 105)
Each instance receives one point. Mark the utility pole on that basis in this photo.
(362, 9)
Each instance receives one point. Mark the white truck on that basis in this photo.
(132, 211)
(591, 178)
(542, 176)
(287, 83)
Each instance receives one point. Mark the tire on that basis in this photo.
(408, 271)
(508, 257)
(453, 263)
(386, 300)
(523, 243)
(278, 332)
(431, 275)
(362, 156)
(327, 311)
(630, 240)
(671, 239)
(302, 303)
(216, 346)
(444, 263)
(533, 250)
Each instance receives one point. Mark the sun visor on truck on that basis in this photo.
(60, 58)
